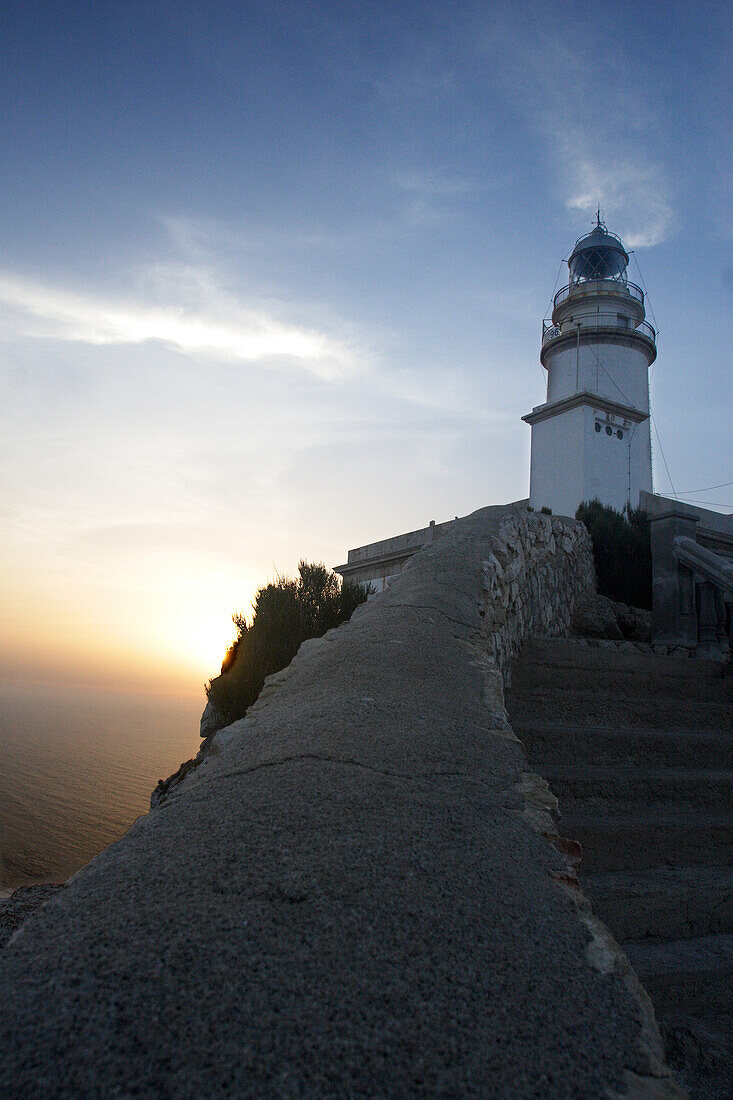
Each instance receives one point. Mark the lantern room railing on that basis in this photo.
(600, 286)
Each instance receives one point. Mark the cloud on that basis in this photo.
(432, 183)
(194, 318)
(433, 195)
(604, 139)
(628, 185)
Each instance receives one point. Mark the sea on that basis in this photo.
(77, 767)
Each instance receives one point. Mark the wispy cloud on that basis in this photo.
(616, 173)
(433, 196)
(191, 314)
(424, 182)
(604, 139)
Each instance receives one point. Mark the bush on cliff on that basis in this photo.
(284, 615)
(622, 551)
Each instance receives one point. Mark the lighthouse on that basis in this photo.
(591, 438)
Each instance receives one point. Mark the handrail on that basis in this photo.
(711, 566)
(598, 286)
(550, 330)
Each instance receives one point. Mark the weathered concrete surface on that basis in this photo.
(344, 900)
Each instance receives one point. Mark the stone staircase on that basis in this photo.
(638, 749)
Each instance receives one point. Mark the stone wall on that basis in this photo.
(538, 568)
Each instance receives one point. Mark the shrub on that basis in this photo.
(622, 551)
(284, 614)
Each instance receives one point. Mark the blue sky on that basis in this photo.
(272, 277)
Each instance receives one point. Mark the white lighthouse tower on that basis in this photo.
(591, 438)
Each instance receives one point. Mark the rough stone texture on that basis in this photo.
(165, 787)
(595, 617)
(635, 622)
(24, 901)
(350, 896)
(538, 568)
(599, 617)
(211, 720)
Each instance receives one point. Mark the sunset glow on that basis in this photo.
(296, 306)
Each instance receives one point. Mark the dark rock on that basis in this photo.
(211, 721)
(595, 617)
(165, 786)
(598, 616)
(635, 623)
(21, 904)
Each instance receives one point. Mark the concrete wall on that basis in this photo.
(688, 611)
(378, 563)
(713, 530)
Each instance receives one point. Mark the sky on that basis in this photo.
(272, 278)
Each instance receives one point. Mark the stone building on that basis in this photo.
(378, 563)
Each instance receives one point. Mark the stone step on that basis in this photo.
(694, 975)
(699, 1049)
(638, 786)
(579, 654)
(619, 839)
(573, 742)
(663, 902)
(608, 708)
(642, 678)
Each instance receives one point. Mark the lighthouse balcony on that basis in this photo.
(603, 323)
(582, 289)
(581, 301)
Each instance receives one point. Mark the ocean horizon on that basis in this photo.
(77, 767)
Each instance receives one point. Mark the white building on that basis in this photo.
(591, 438)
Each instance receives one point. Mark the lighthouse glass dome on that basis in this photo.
(598, 255)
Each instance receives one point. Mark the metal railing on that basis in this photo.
(550, 331)
(600, 286)
(645, 329)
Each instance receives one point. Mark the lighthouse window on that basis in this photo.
(598, 426)
(620, 434)
(609, 430)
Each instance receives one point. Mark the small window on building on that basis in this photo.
(620, 434)
(598, 426)
(609, 429)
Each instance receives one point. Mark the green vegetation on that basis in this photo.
(284, 615)
(622, 551)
